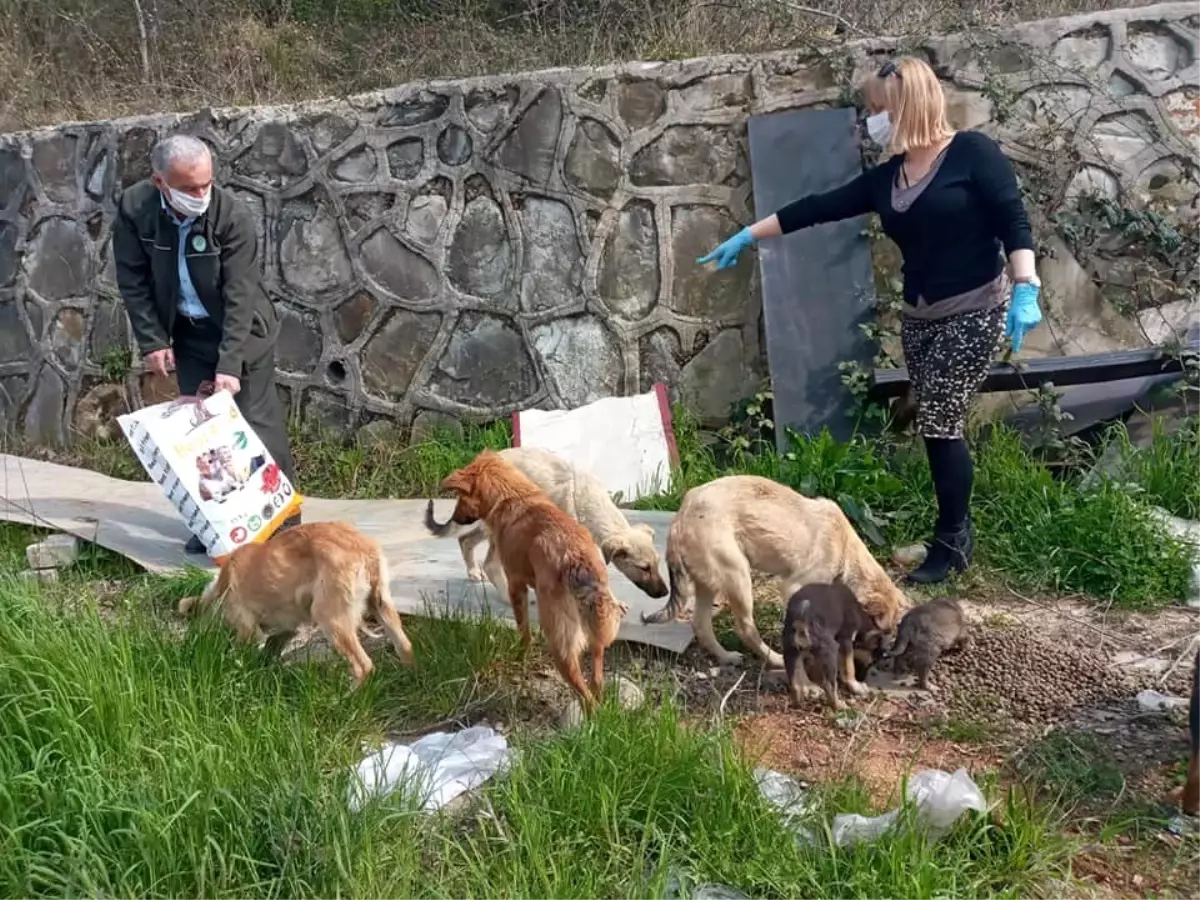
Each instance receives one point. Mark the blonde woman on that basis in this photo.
(950, 202)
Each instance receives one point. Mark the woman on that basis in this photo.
(950, 201)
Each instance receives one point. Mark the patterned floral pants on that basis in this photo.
(947, 361)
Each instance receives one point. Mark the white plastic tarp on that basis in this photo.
(626, 442)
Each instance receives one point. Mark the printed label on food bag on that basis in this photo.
(213, 469)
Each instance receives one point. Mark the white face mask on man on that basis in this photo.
(879, 127)
(189, 205)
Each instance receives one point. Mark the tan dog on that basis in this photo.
(543, 548)
(580, 494)
(323, 573)
(740, 524)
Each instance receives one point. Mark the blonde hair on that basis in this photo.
(908, 88)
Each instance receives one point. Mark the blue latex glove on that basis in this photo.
(1023, 312)
(727, 254)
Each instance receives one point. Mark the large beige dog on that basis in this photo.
(739, 524)
(579, 494)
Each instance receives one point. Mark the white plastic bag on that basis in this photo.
(939, 797)
(432, 771)
(213, 468)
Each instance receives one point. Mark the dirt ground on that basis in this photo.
(898, 729)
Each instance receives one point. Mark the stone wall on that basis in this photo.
(468, 248)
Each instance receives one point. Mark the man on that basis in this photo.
(187, 268)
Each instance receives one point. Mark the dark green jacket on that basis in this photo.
(224, 272)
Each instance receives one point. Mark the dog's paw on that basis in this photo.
(622, 608)
(729, 658)
(476, 574)
(811, 692)
(858, 689)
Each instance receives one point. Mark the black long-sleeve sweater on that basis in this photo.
(952, 234)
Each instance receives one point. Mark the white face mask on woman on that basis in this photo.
(879, 127)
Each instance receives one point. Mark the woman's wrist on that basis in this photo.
(765, 228)
(1023, 266)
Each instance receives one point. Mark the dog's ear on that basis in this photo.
(615, 548)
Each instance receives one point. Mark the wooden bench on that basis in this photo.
(1063, 371)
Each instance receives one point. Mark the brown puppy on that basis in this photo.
(543, 548)
(825, 632)
(925, 633)
(323, 573)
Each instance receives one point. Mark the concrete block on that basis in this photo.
(55, 552)
(41, 576)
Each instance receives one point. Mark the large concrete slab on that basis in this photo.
(817, 284)
(428, 577)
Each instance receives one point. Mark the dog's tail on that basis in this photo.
(449, 528)
(679, 598)
(599, 611)
(379, 602)
(903, 639)
(216, 590)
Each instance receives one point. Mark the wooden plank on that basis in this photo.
(1063, 371)
(817, 284)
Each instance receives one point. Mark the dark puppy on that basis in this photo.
(925, 633)
(824, 630)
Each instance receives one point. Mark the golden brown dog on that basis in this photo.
(543, 548)
(323, 573)
(733, 526)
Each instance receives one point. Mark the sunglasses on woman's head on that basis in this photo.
(889, 68)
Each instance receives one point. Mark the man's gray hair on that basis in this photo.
(178, 148)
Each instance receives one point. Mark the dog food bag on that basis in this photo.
(214, 470)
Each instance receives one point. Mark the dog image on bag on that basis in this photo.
(216, 478)
(580, 494)
(925, 633)
(827, 636)
(542, 547)
(740, 524)
(327, 574)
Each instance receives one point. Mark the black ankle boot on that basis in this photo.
(950, 551)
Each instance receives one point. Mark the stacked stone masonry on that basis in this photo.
(468, 248)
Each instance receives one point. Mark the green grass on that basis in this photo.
(1166, 473)
(137, 762)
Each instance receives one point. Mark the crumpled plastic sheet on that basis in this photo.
(1153, 701)
(431, 771)
(939, 797)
